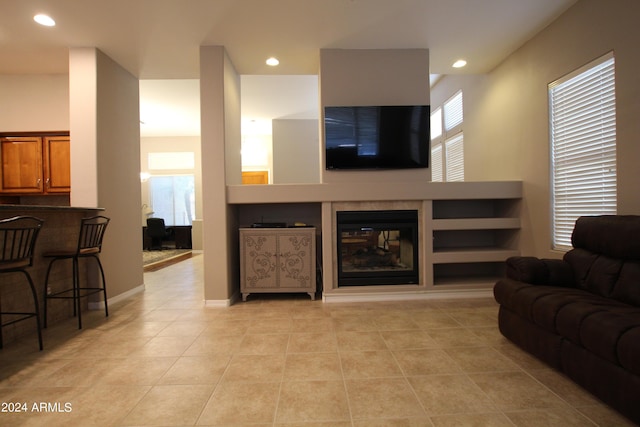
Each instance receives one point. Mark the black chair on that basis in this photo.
(18, 239)
(89, 246)
(158, 233)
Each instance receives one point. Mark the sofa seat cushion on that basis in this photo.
(570, 318)
(601, 334)
(607, 328)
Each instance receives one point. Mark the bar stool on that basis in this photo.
(17, 239)
(89, 246)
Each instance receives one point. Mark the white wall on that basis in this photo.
(506, 111)
(374, 77)
(83, 104)
(34, 102)
(296, 158)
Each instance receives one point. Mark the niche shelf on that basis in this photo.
(471, 239)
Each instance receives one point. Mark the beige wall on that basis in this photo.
(34, 102)
(374, 77)
(506, 111)
(105, 158)
(220, 137)
(295, 151)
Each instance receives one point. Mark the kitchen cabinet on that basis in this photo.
(35, 164)
(278, 260)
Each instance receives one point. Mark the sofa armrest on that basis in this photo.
(536, 271)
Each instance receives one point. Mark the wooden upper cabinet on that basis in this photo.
(35, 164)
(255, 177)
(57, 164)
(21, 165)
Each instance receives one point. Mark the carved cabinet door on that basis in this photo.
(294, 261)
(260, 260)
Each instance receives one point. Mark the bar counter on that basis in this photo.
(59, 231)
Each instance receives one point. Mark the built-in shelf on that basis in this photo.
(476, 223)
(466, 231)
(473, 255)
(468, 274)
(471, 239)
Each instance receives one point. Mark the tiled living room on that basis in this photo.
(161, 358)
(179, 347)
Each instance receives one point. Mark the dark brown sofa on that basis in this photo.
(581, 314)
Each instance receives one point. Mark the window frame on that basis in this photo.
(585, 184)
(449, 134)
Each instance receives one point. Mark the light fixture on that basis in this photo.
(45, 20)
(272, 62)
(459, 63)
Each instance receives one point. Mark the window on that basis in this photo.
(436, 163)
(583, 146)
(454, 152)
(170, 183)
(447, 141)
(173, 198)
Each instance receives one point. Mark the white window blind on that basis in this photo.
(583, 146)
(454, 147)
(453, 112)
(447, 158)
(436, 163)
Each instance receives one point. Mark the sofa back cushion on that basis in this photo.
(606, 256)
(617, 236)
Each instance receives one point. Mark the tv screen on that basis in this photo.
(377, 137)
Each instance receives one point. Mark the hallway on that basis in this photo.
(162, 358)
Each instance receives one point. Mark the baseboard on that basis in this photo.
(405, 296)
(218, 303)
(99, 305)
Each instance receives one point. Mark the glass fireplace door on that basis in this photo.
(377, 247)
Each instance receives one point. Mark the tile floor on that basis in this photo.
(161, 358)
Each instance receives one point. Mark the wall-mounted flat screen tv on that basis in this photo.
(377, 137)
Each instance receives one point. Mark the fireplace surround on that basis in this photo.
(377, 247)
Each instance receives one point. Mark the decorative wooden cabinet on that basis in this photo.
(278, 260)
(35, 164)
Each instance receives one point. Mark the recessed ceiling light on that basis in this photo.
(459, 63)
(45, 20)
(272, 61)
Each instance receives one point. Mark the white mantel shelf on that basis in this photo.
(379, 191)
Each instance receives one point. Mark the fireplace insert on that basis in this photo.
(377, 247)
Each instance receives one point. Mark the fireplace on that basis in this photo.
(377, 247)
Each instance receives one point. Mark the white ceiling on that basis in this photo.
(160, 39)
